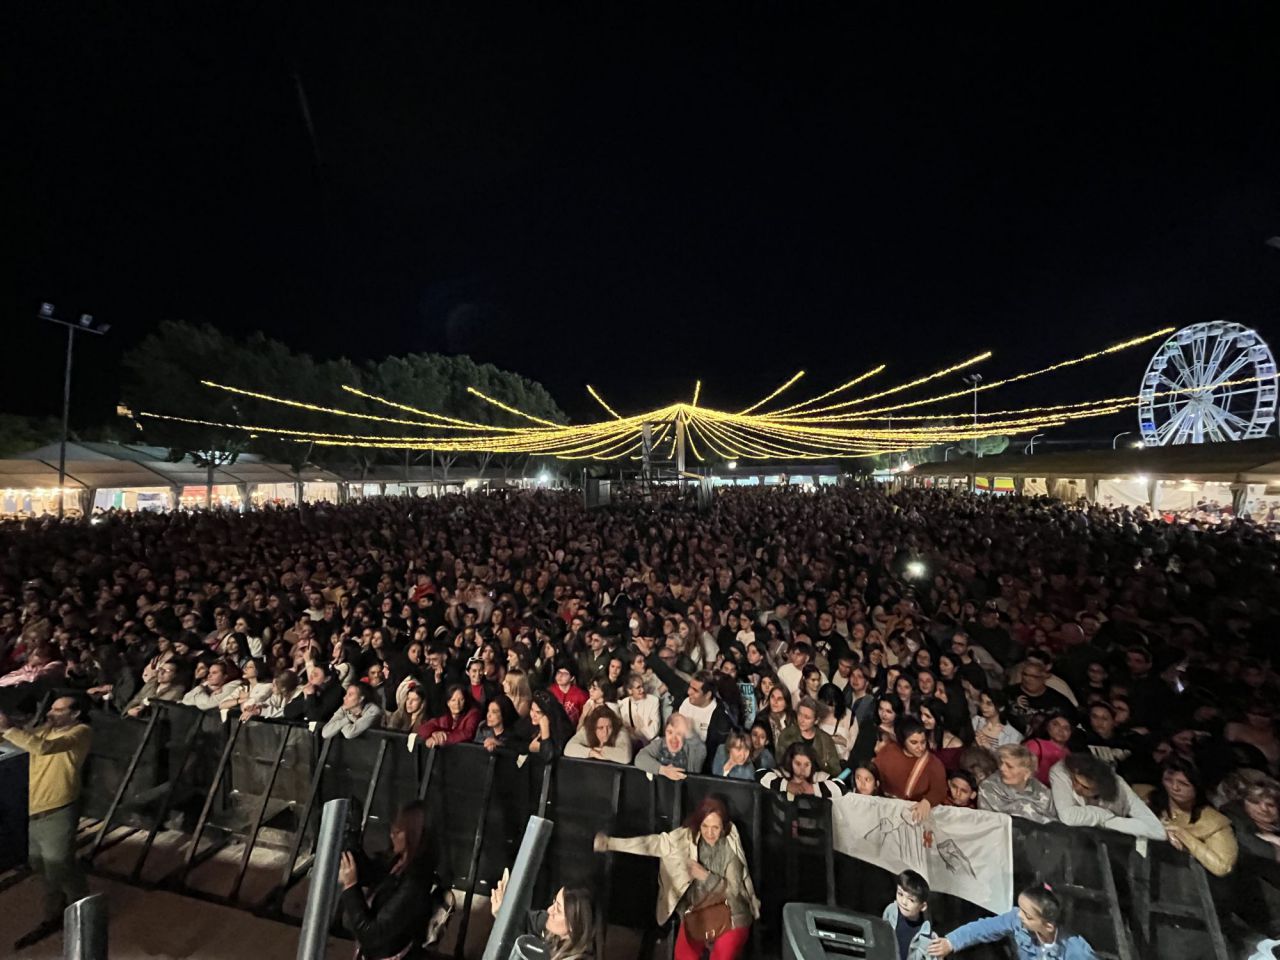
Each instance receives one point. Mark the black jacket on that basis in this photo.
(316, 708)
(719, 726)
(395, 916)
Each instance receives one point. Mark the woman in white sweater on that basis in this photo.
(601, 737)
(640, 711)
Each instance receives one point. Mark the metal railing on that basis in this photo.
(479, 803)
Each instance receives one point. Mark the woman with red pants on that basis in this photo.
(698, 863)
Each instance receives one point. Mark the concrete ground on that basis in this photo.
(159, 925)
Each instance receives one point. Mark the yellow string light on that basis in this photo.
(1114, 348)
(510, 409)
(801, 431)
(600, 400)
(761, 403)
(954, 368)
(452, 421)
(831, 393)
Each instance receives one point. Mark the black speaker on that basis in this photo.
(529, 947)
(596, 493)
(13, 808)
(814, 931)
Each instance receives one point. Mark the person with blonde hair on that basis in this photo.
(516, 686)
(640, 711)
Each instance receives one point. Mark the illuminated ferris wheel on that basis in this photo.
(1209, 382)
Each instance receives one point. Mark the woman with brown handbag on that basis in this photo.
(702, 877)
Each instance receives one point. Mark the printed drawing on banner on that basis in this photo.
(917, 842)
(966, 853)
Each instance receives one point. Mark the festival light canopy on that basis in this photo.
(829, 425)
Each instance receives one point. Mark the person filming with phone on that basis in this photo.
(388, 910)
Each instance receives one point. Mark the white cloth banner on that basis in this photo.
(966, 853)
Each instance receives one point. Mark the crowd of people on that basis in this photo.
(1096, 667)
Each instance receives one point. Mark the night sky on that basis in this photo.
(638, 195)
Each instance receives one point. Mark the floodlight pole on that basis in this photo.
(646, 450)
(975, 379)
(66, 420)
(680, 430)
(87, 325)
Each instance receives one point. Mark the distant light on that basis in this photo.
(1141, 478)
(95, 521)
(1139, 444)
(915, 570)
(544, 477)
(732, 464)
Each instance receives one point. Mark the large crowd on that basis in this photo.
(1053, 661)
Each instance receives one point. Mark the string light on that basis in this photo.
(600, 400)
(831, 393)
(510, 409)
(805, 430)
(1114, 348)
(919, 381)
(761, 403)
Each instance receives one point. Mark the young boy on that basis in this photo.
(1034, 928)
(961, 790)
(907, 916)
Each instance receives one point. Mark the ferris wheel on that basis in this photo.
(1208, 382)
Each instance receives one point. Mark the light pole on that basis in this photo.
(1031, 447)
(1118, 436)
(975, 379)
(85, 324)
(946, 454)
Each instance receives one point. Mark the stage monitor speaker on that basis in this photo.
(529, 947)
(13, 808)
(814, 931)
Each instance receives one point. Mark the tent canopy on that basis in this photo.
(1246, 461)
(119, 466)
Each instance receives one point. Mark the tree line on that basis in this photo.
(163, 375)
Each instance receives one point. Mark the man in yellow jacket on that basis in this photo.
(57, 750)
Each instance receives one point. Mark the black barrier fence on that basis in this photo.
(223, 780)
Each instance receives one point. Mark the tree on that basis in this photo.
(164, 374)
(20, 434)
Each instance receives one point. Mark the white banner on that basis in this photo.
(966, 853)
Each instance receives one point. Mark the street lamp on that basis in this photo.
(946, 454)
(1030, 448)
(86, 324)
(975, 379)
(1118, 436)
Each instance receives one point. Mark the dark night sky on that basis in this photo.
(638, 195)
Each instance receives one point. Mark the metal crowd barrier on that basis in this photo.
(232, 779)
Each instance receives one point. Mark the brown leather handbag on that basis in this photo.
(709, 917)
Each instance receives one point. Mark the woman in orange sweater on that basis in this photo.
(909, 771)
